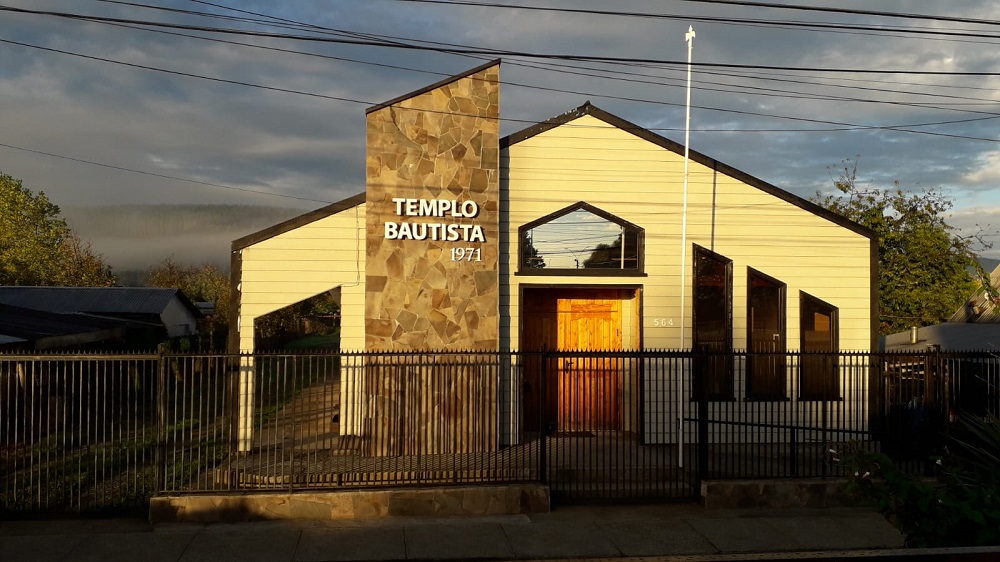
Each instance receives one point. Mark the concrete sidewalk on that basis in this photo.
(658, 532)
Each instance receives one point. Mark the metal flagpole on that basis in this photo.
(689, 38)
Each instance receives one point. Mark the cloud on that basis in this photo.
(987, 170)
(758, 120)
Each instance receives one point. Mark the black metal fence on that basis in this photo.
(93, 432)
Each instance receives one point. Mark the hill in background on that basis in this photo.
(132, 238)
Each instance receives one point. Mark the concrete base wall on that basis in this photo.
(729, 494)
(354, 504)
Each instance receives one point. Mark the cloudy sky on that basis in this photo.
(262, 103)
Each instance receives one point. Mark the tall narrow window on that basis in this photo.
(712, 320)
(765, 337)
(818, 369)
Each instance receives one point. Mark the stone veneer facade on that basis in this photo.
(440, 143)
(437, 146)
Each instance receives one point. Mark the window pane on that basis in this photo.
(819, 347)
(580, 240)
(766, 338)
(712, 322)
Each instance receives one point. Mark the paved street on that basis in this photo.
(655, 532)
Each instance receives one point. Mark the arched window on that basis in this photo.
(580, 240)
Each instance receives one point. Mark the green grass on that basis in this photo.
(316, 341)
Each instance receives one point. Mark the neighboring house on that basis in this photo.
(166, 308)
(24, 329)
(975, 326)
(569, 234)
(965, 371)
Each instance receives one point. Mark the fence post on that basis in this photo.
(161, 421)
(825, 405)
(543, 390)
(701, 390)
(795, 452)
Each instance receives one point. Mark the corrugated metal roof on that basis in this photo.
(92, 300)
(28, 324)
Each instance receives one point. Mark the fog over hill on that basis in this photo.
(135, 237)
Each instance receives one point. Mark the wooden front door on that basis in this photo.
(582, 393)
(589, 388)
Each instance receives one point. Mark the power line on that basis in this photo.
(486, 51)
(154, 174)
(901, 15)
(575, 71)
(849, 126)
(897, 128)
(811, 95)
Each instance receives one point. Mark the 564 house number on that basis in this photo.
(466, 254)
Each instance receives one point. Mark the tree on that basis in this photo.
(924, 265)
(37, 247)
(532, 259)
(610, 256)
(81, 267)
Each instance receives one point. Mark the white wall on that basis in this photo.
(642, 182)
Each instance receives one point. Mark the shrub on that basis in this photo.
(960, 506)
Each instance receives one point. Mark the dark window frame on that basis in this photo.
(776, 362)
(719, 381)
(819, 372)
(640, 234)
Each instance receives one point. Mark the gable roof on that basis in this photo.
(589, 109)
(299, 221)
(95, 300)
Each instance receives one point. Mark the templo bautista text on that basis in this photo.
(440, 231)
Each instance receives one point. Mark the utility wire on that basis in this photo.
(575, 69)
(589, 74)
(650, 15)
(484, 51)
(164, 176)
(898, 128)
(311, 26)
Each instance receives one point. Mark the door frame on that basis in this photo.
(636, 287)
(552, 409)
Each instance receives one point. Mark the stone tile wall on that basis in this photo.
(505, 499)
(432, 281)
(439, 145)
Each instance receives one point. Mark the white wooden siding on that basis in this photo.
(303, 262)
(589, 160)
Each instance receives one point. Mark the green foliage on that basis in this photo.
(960, 507)
(315, 315)
(205, 283)
(610, 255)
(531, 259)
(37, 247)
(923, 264)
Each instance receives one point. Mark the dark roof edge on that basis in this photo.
(433, 86)
(589, 109)
(299, 221)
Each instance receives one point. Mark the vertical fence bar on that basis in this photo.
(543, 401)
